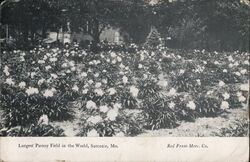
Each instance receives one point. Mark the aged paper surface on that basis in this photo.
(125, 149)
(124, 80)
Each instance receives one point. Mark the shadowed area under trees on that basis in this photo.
(221, 25)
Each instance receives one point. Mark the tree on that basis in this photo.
(153, 39)
(30, 20)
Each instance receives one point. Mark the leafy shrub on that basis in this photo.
(208, 106)
(148, 89)
(185, 82)
(111, 122)
(40, 130)
(240, 128)
(21, 109)
(128, 101)
(159, 115)
(185, 113)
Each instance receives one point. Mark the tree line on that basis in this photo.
(201, 24)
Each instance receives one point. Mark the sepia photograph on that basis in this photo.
(124, 68)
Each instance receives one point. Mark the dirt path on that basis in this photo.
(202, 127)
(70, 127)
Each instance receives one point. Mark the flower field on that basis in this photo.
(118, 92)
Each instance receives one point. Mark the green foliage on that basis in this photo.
(148, 89)
(97, 123)
(21, 109)
(33, 130)
(159, 115)
(205, 24)
(208, 107)
(239, 128)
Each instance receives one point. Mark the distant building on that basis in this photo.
(112, 35)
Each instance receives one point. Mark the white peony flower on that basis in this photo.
(83, 74)
(230, 65)
(85, 91)
(41, 81)
(117, 106)
(53, 59)
(48, 93)
(96, 75)
(22, 85)
(99, 92)
(171, 105)
(91, 105)
(242, 98)
(47, 67)
(22, 59)
(210, 92)
(113, 54)
(64, 65)
(94, 119)
(104, 108)
(216, 63)
(73, 68)
(113, 62)
(172, 92)
(238, 73)
(32, 90)
(224, 71)
(140, 66)
(6, 70)
(145, 76)
(54, 76)
(230, 58)
(98, 84)
(224, 105)
(75, 88)
(221, 83)
(112, 114)
(104, 81)
(163, 83)
(67, 54)
(125, 79)
(126, 68)
(246, 62)
(120, 134)
(45, 57)
(243, 71)
(90, 81)
(226, 96)
(134, 91)
(236, 63)
(32, 74)
(9, 81)
(121, 66)
(119, 59)
(239, 94)
(198, 81)
(112, 91)
(44, 120)
(182, 71)
(92, 133)
(41, 62)
(191, 105)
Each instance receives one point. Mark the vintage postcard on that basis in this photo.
(124, 80)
